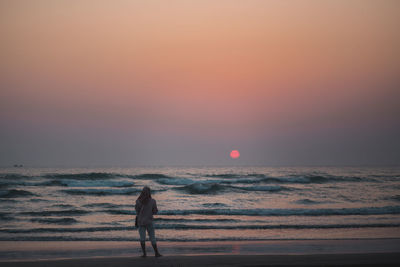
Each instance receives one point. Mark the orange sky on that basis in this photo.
(180, 80)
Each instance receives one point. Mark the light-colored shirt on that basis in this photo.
(145, 212)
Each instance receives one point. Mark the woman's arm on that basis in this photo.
(155, 210)
(138, 206)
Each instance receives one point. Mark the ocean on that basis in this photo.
(201, 203)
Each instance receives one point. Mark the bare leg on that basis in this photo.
(157, 254)
(152, 235)
(143, 244)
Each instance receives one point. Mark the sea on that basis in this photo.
(201, 203)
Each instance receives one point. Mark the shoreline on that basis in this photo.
(24, 251)
(367, 259)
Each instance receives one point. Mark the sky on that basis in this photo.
(129, 83)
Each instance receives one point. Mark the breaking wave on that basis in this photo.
(307, 201)
(70, 212)
(87, 183)
(214, 188)
(202, 188)
(188, 227)
(15, 193)
(288, 212)
(5, 217)
(315, 179)
(101, 192)
(175, 181)
(12, 176)
(83, 176)
(150, 176)
(102, 205)
(60, 221)
(104, 176)
(75, 204)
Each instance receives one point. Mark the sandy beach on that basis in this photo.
(371, 259)
(362, 252)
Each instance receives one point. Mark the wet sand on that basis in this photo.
(371, 259)
(361, 252)
(37, 250)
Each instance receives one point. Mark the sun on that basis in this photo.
(235, 154)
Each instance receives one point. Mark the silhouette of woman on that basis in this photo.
(145, 208)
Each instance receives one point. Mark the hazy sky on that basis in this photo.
(185, 82)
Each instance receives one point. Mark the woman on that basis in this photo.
(145, 208)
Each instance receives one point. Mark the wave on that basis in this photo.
(13, 183)
(15, 193)
(103, 176)
(51, 183)
(288, 212)
(213, 205)
(67, 230)
(175, 181)
(289, 180)
(39, 200)
(70, 212)
(197, 227)
(3, 185)
(101, 192)
(292, 179)
(256, 178)
(223, 175)
(83, 176)
(279, 226)
(229, 178)
(274, 188)
(157, 220)
(240, 181)
(214, 188)
(63, 179)
(151, 176)
(202, 188)
(102, 205)
(396, 198)
(237, 175)
(261, 178)
(186, 181)
(120, 212)
(5, 217)
(315, 179)
(390, 177)
(61, 221)
(86, 183)
(307, 201)
(12, 176)
(272, 212)
(63, 206)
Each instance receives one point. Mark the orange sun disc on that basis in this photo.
(235, 154)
